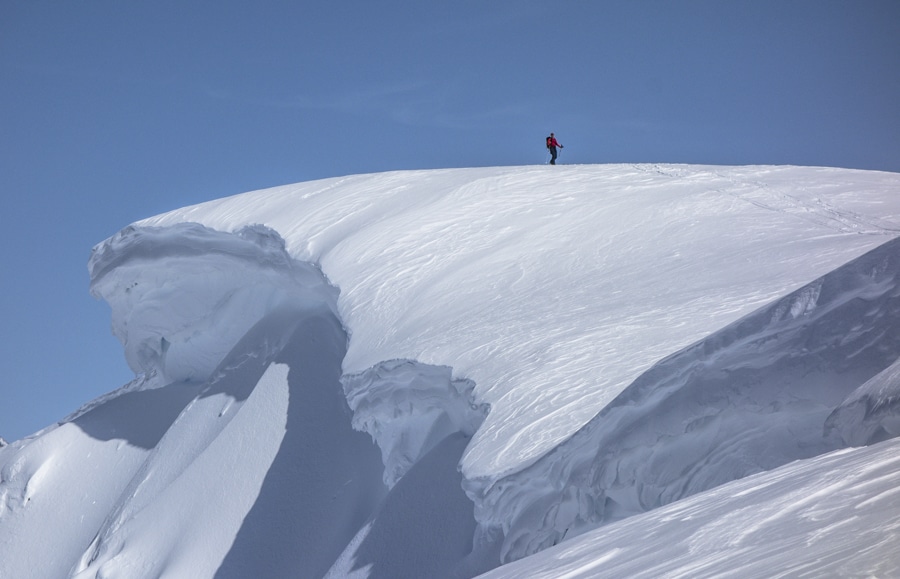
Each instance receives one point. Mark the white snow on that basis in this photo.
(552, 288)
(753, 396)
(572, 346)
(182, 297)
(829, 516)
(163, 494)
(409, 408)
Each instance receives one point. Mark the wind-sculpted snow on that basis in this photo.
(183, 296)
(238, 428)
(830, 516)
(749, 398)
(408, 408)
(553, 288)
(872, 413)
(428, 373)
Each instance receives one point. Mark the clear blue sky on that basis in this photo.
(112, 111)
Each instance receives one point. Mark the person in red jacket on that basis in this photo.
(552, 144)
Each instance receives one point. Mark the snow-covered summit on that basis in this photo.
(552, 288)
(584, 343)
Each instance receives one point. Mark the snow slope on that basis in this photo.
(535, 284)
(831, 516)
(753, 396)
(324, 367)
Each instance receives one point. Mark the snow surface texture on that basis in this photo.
(872, 413)
(553, 288)
(749, 398)
(408, 408)
(182, 297)
(830, 516)
(640, 334)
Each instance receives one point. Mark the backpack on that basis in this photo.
(548, 142)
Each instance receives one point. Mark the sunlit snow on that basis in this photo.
(433, 373)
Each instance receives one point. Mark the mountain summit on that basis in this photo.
(446, 373)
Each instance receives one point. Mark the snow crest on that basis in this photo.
(183, 296)
(813, 372)
(609, 316)
(256, 334)
(872, 413)
(408, 408)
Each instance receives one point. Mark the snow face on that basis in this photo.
(830, 516)
(553, 288)
(408, 408)
(182, 297)
(872, 412)
(570, 346)
(163, 493)
(261, 442)
(751, 397)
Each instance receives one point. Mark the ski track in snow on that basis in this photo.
(813, 208)
(600, 332)
(789, 197)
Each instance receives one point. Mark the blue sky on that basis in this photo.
(113, 111)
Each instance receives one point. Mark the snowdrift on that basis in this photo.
(432, 373)
(832, 516)
(779, 385)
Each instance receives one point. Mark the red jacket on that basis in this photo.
(553, 142)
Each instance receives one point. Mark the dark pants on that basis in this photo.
(553, 155)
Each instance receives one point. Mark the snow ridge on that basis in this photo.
(235, 316)
(183, 296)
(408, 408)
(639, 334)
(872, 413)
(755, 395)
